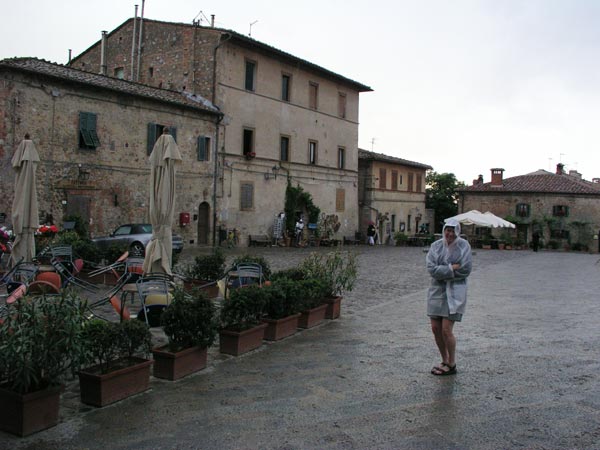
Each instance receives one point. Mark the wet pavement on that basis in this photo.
(528, 358)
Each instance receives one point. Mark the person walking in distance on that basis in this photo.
(449, 263)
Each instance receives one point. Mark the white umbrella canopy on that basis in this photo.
(479, 219)
(500, 222)
(25, 217)
(163, 159)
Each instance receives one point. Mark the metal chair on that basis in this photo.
(244, 275)
(22, 273)
(154, 292)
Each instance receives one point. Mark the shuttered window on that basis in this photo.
(203, 148)
(341, 157)
(340, 199)
(286, 83)
(411, 186)
(88, 138)
(250, 75)
(246, 196)
(154, 132)
(394, 180)
(313, 95)
(284, 148)
(419, 183)
(342, 105)
(382, 178)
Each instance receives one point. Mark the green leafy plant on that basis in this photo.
(189, 321)
(297, 199)
(207, 267)
(293, 273)
(314, 291)
(400, 238)
(337, 269)
(283, 298)
(40, 341)
(243, 309)
(256, 259)
(108, 343)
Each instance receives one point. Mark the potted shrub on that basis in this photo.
(314, 306)
(190, 326)
(283, 302)
(205, 272)
(256, 259)
(40, 344)
(118, 371)
(338, 270)
(241, 326)
(400, 238)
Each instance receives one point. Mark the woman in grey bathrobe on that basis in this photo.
(449, 264)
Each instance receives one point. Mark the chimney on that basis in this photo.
(212, 20)
(103, 68)
(478, 181)
(497, 177)
(560, 169)
(575, 174)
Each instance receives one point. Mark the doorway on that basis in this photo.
(203, 223)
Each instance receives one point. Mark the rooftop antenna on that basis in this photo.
(200, 21)
(372, 143)
(250, 32)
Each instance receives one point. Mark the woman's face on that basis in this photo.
(449, 234)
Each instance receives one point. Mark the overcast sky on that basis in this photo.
(463, 86)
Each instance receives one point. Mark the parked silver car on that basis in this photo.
(134, 237)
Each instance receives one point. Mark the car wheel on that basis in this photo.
(136, 250)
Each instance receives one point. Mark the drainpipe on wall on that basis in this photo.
(103, 68)
(139, 56)
(131, 77)
(215, 177)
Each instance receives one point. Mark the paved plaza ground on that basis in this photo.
(528, 364)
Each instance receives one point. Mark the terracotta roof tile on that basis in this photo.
(372, 156)
(39, 66)
(540, 181)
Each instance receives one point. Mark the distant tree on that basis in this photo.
(441, 196)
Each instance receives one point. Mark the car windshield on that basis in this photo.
(125, 229)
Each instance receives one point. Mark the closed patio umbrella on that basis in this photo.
(163, 159)
(25, 217)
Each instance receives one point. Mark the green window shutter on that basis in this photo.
(91, 128)
(202, 148)
(151, 137)
(86, 137)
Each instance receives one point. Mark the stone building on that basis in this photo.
(562, 207)
(391, 193)
(94, 134)
(285, 119)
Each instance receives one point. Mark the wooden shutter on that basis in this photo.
(202, 150)
(382, 178)
(151, 137)
(246, 196)
(340, 199)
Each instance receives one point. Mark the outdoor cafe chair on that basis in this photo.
(244, 275)
(154, 291)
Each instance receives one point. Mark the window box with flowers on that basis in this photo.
(250, 155)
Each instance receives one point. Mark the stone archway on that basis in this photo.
(203, 223)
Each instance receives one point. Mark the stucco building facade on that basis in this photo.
(562, 207)
(94, 134)
(285, 119)
(392, 194)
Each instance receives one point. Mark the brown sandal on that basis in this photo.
(441, 372)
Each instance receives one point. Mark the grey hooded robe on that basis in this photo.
(448, 291)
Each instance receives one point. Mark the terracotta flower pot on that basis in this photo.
(312, 317)
(334, 307)
(98, 389)
(281, 328)
(239, 342)
(172, 366)
(25, 414)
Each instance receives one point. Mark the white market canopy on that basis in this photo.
(479, 219)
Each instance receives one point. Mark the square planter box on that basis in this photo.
(312, 317)
(29, 413)
(236, 343)
(172, 366)
(210, 288)
(281, 328)
(99, 389)
(334, 307)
